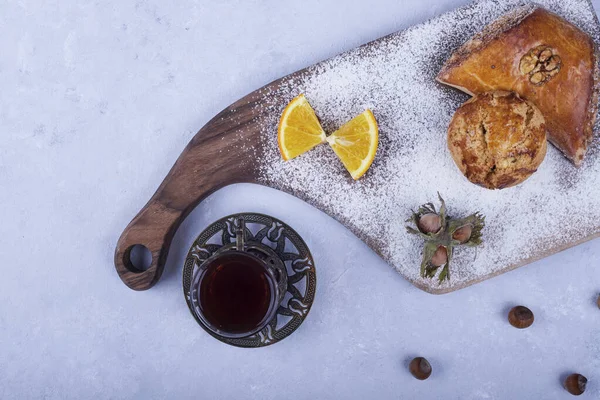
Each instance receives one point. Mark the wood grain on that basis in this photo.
(225, 151)
(222, 153)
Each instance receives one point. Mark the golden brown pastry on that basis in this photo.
(497, 139)
(546, 60)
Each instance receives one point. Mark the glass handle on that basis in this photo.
(240, 234)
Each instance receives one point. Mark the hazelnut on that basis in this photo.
(420, 368)
(520, 317)
(575, 384)
(440, 257)
(430, 223)
(463, 234)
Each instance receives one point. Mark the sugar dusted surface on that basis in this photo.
(394, 77)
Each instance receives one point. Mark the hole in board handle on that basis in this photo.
(137, 258)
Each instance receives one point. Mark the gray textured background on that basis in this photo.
(97, 100)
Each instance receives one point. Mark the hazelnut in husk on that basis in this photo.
(575, 384)
(463, 234)
(441, 234)
(520, 317)
(429, 223)
(420, 368)
(434, 257)
(467, 230)
(440, 257)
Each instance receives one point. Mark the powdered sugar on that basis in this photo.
(394, 77)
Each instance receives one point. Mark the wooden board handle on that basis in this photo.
(223, 152)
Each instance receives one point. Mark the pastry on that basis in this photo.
(543, 58)
(497, 139)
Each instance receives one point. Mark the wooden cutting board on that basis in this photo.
(394, 76)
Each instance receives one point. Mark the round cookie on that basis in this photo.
(497, 139)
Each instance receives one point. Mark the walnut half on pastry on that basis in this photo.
(544, 59)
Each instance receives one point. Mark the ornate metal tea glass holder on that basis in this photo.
(275, 244)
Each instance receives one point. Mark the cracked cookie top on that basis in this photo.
(497, 139)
